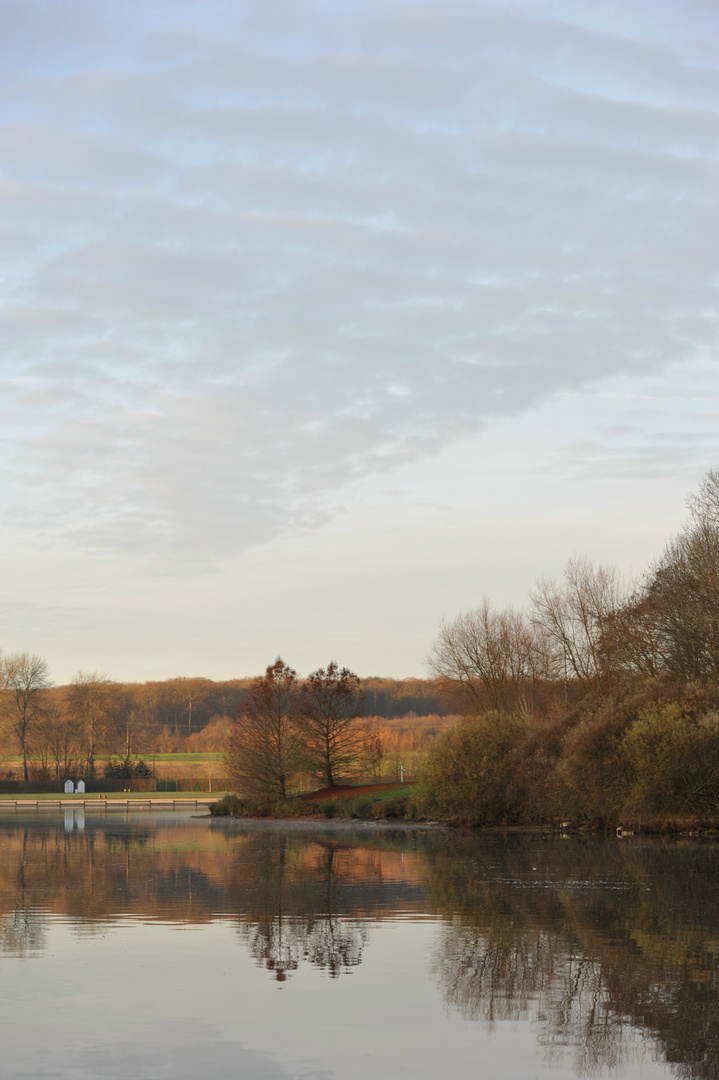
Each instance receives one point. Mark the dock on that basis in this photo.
(103, 805)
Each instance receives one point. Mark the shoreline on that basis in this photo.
(704, 830)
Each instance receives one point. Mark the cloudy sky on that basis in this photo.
(320, 320)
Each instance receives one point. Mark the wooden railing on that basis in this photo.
(105, 804)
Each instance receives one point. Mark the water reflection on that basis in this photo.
(297, 912)
(74, 818)
(295, 899)
(594, 942)
(603, 947)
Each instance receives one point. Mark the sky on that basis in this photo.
(319, 321)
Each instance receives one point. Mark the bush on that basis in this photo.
(127, 768)
(229, 806)
(328, 807)
(592, 773)
(361, 807)
(292, 808)
(397, 807)
(671, 760)
(468, 774)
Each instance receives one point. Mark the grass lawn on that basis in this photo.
(91, 796)
(16, 759)
(381, 796)
(192, 759)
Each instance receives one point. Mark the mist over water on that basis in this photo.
(166, 946)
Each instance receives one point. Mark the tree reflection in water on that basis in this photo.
(605, 947)
(611, 950)
(297, 914)
(22, 933)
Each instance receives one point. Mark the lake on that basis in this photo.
(168, 946)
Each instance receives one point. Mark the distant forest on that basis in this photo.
(60, 730)
(184, 707)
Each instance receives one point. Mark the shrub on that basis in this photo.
(593, 768)
(467, 775)
(671, 761)
(535, 785)
(401, 806)
(328, 807)
(229, 806)
(290, 808)
(127, 768)
(361, 807)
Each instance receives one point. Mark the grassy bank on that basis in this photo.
(366, 801)
(141, 796)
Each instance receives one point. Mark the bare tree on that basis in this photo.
(24, 679)
(184, 696)
(669, 625)
(57, 741)
(92, 703)
(264, 745)
(574, 617)
(7, 664)
(682, 595)
(334, 739)
(491, 658)
(704, 505)
(633, 640)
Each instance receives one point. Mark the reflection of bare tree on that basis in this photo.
(21, 929)
(602, 946)
(597, 944)
(537, 978)
(297, 915)
(22, 932)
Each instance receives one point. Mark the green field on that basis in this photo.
(192, 759)
(16, 759)
(143, 796)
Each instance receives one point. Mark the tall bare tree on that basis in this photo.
(56, 739)
(489, 657)
(670, 624)
(25, 678)
(334, 739)
(682, 593)
(92, 702)
(704, 504)
(574, 616)
(191, 693)
(264, 745)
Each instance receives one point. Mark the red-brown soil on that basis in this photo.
(347, 791)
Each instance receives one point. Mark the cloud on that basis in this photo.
(254, 256)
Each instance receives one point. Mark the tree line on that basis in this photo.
(599, 700)
(60, 731)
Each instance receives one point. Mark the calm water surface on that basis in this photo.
(167, 946)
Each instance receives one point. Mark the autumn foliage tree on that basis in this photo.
(265, 742)
(334, 740)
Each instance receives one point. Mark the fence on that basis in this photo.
(187, 783)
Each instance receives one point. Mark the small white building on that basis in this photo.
(69, 787)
